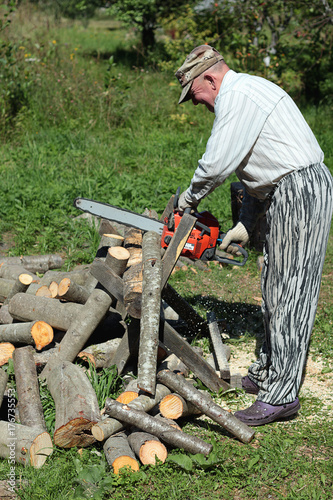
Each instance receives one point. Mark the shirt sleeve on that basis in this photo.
(237, 124)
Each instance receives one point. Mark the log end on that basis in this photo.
(127, 396)
(125, 462)
(42, 333)
(40, 449)
(171, 406)
(151, 450)
(6, 352)
(76, 432)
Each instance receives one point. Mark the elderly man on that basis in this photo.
(260, 134)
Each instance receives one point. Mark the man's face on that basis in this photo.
(202, 93)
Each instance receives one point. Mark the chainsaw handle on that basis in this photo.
(240, 249)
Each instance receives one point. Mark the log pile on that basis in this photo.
(109, 313)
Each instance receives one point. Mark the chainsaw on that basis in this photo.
(201, 244)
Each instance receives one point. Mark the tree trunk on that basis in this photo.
(92, 313)
(119, 454)
(109, 426)
(60, 315)
(219, 349)
(178, 384)
(160, 429)
(5, 317)
(150, 311)
(24, 445)
(76, 405)
(29, 403)
(36, 333)
(147, 447)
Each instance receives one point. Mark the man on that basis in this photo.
(260, 134)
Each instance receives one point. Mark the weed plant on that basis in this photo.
(94, 123)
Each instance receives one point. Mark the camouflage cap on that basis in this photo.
(198, 61)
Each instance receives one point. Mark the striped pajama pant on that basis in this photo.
(298, 224)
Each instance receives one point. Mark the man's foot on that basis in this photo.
(261, 413)
(249, 386)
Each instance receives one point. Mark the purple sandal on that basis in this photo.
(249, 386)
(261, 413)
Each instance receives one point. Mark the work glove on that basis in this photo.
(237, 234)
(183, 203)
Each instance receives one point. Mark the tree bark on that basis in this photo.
(6, 352)
(72, 292)
(150, 311)
(36, 263)
(109, 426)
(92, 313)
(219, 349)
(36, 333)
(13, 271)
(6, 286)
(117, 259)
(119, 454)
(76, 405)
(5, 317)
(178, 384)
(132, 287)
(160, 429)
(29, 403)
(60, 315)
(108, 279)
(20, 285)
(24, 445)
(99, 353)
(147, 447)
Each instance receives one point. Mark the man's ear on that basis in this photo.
(211, 80)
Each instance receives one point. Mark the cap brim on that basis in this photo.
(185, 93)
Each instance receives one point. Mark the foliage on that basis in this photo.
(71, 9)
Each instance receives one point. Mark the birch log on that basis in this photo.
(178, 384)
(24, 445)
(119, 454)
(150, 311)
(165, 432)
(36, 333)
(60, 315)
(105, 428)
(92, 313)
(29, 403)
(76, 405)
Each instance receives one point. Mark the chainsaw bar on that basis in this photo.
(121, 215)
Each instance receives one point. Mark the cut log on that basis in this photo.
(119, 454)
(36, 333)
(6, 352)
(36, 263)
(132, 289)
(80, 275)
(111, 240)
(150, 311)
(108, 279)
(178, 384)
(60, 315)
(168, 421)
(20, 285)
(6, 285)
(92, 313)
(3, 384)
(160, 429)
(173, 363)
(29, 403)
(109, 426)
(5, 317)
(76, 405)
(192, 359)
(173, 406)
(53, 287)
(13, 271)
(24, 445)
(44, 291)
(147, 447)
(130, 393)
(219, 349)
(117, 259)
(72, 292)
(99, 353)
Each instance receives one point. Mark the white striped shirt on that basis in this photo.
(259, 133)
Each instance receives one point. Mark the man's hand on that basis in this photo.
(183, 204)
(239, 235)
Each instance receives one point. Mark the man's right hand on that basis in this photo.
(183, 204)
(237, 234)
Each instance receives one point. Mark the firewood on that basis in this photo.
(147, 447)
(24, 445)
(6, 352)
(21, 284)
(60, 315)
(132, 289)
(219, 349)
(81, 276)
(6, 286)
(72, 292)
(117, 259)
(110, 240)
(36, 263)
(44, 291)
(108, 227)
(99, 353)
(36, 333)
(160, 429)
(3, 384)
(108, 279)
(192, 359)
(178, 384)
(150, 311)
(76, 405)
(173, 406)
(5, 317)
(168, 421)
(13, 271)
(130, 393)
(119, 454)
(29, 403)
(105, 428)
(91, 314)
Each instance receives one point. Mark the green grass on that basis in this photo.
(112, 131)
